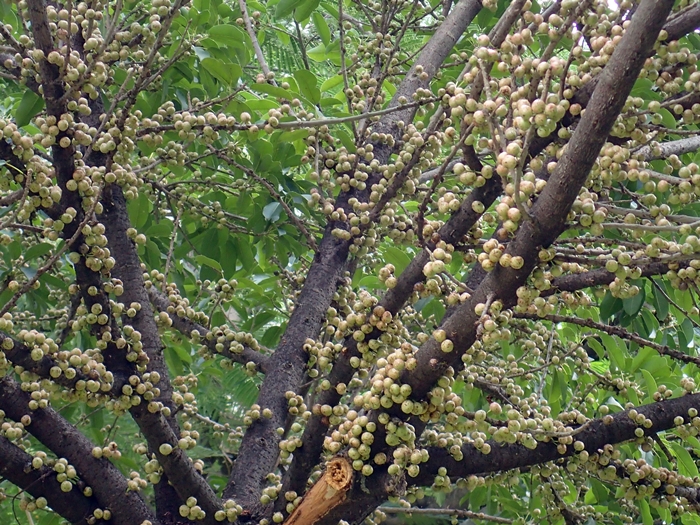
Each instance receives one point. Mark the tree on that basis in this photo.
(301, 260)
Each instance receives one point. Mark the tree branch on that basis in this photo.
(674, 147)
(549, 214)
(109, 486)
(15, 466)
(612, 430)
(451, 232)
(186, 327)
(259, 449)
(158, 428)
(614, 330)
(20, 355)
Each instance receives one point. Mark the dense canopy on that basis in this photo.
(317, 261)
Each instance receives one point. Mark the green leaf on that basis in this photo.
(228, 35)
(331, 83)
(483, 18)
(667, 118)
(609, 306)
(226, 73)
(645, 512)
(398, 257)
(303, 11)
(641, 358)
(208, 261)
(616, 353)
(686, 465)
(37, 251)
(30, 105)
(229, 258)
(272, 211)
(688, 332)
(595, 345)
(245, 254)
(322, 27)
(660, 304)
(322, 52)
(650, 382)
(306, 81)
(269, 89)
(139, 210)
(632, 305)
(286, 8)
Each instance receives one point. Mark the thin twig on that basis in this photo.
(458, 513)
(254, 39)
(168, 260)
(614, 330)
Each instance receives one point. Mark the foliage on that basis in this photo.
(452, 247)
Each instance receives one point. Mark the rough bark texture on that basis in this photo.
(258, 453)
(595, 436)
(452, 232)
(157, 428)
(677, 28)
(16, 467)
(603, 97)
(552, 206)
(549, 212)
(503, 457)
(109, 486)
(455, 228)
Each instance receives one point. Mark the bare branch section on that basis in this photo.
(458, 513)
(259, 449)
(15, 466)
(11, 198)
(579, 281)
(674, 147)
(254, 39)
(109, 485)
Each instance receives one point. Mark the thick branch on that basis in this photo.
(63, 439)
(550, 210)
(157, 428)
(53, 91)
(549, 214)
(502, 457)
(618, 429)
(675, 147)
(451, 232)
(259, 448)
(579, 281)
(11, 198)
(15, 466)
(683, 23)
(676, 28)
(19, 354)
